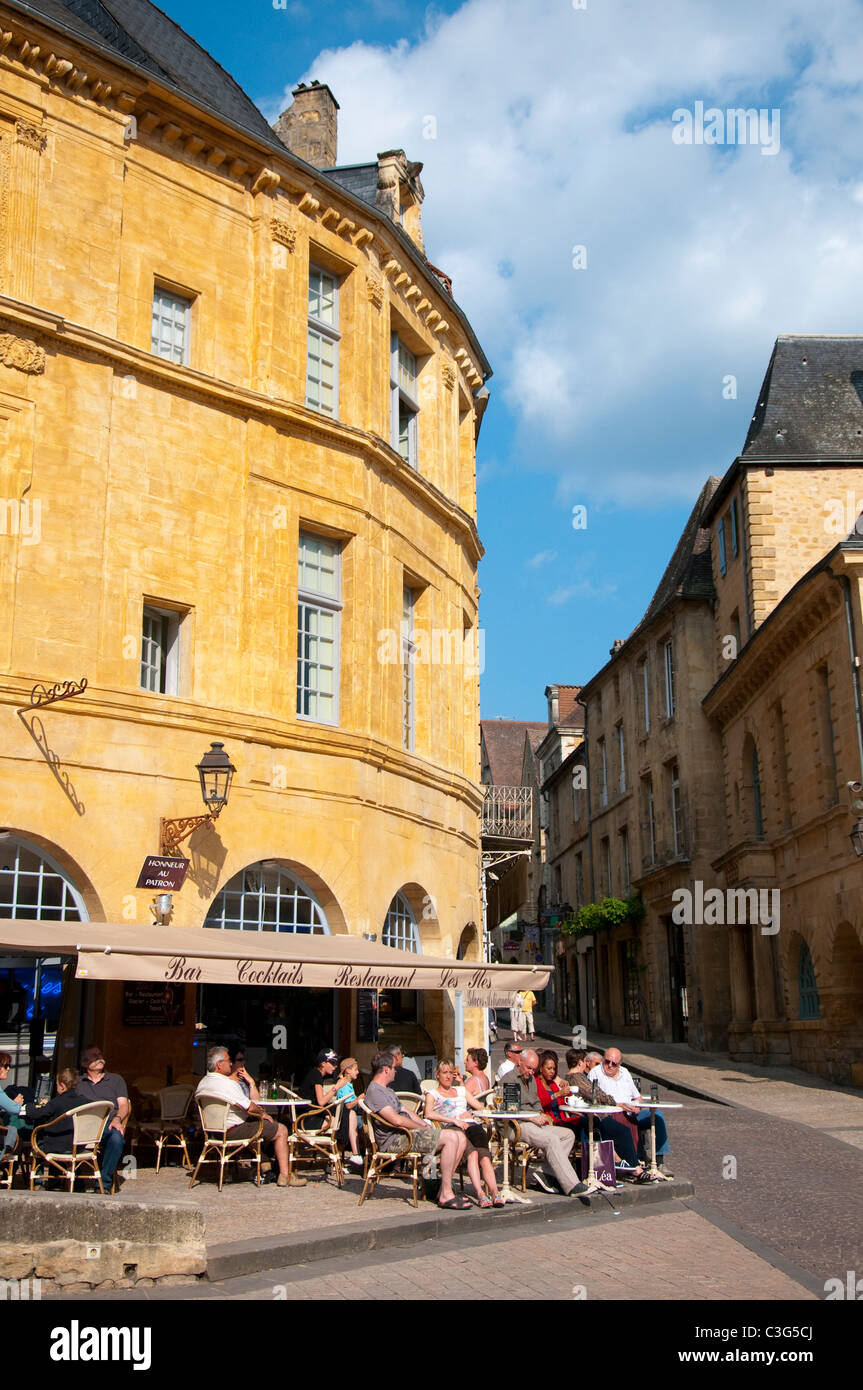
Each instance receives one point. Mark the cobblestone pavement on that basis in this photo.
(780, 1178)
(662, 1257)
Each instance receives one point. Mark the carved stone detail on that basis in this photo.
(22, 354)
(449, 375)
(30, 135)
(282, 231)
(375, 290)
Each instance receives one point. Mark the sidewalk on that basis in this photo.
(781, 1092)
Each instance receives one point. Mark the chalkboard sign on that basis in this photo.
(155, 1005)
(367, 1015)
(511, 1095)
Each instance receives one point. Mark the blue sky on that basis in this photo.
(625, 372)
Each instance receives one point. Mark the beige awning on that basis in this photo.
(177, 955)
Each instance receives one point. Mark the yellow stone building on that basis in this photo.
(238, 409)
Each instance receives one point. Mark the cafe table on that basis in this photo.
(506, 1190)
(292, 1102)
(653, 1105)
(590, 1111)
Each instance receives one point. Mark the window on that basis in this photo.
(171, 323)
(810, 1004)
(400, 926)
(603, 773)
(322, 358)
(720, 536)
(160, 651)
(645, 694)
(579, 881)
(32, 886)
(318, 610)
(732, 516)
(676, 818)
(621, 760)
(629, 980)
(403, 400)
(408, 654)
(649, 822)
(606, 865)
(266, 897)
(624, 861)
(669, 679)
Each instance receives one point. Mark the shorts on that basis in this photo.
(423, 1141)
(250, 1127)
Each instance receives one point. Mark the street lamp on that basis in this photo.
(216, 772)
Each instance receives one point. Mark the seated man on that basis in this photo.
(99, 1084)
(606, 1126)
(510, 1062)
(617, 1082)
(555, 1142)
(450, 1144)
(220, 1085)
(406, 1080)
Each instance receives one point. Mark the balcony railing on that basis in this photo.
(507, 813)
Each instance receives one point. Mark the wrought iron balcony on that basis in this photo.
(507, 813)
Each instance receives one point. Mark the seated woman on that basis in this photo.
(351, 1121)
(10, 1106)
(577, 1083)
(58, 1139)
(476, 1065)
(452, 1104)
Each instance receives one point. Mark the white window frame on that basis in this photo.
(668, 659)
(399, 396)
(167, 643)
(621, 753)
(400, 928)
(173, 346)
(408, 677)
(326, 334)
(676, 827)
(265, 897)
(317, 601)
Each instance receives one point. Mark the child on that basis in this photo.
(348, 1072)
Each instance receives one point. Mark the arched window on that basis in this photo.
(400, 927)
(810, 1004)
(33, 887)
(266, 897)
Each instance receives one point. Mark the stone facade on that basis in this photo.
(184, 486)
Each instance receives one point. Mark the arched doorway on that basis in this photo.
(402, 1012)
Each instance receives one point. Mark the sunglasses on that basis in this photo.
(606, 1063)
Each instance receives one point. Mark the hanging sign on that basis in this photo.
(164, 873)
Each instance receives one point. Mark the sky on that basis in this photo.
(626, 279)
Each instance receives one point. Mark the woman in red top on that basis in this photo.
(551, 1092)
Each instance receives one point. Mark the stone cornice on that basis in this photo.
(60, 58)
(187, 716)
(781, 634)
(72, 338)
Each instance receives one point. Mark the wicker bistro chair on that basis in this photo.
(411, 1101)
(169, 1131)
(10, 1157)
(397, 1160)
(89, 1123)
(213, 1112)
(306, 1141)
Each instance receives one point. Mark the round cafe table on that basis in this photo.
(506, 1190)
(291, 1101)
(590, 1111)
(653, 1105)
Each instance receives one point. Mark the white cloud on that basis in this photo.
(542, 557)
(584, 589)
(554, 129)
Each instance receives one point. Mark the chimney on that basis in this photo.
(310, 126)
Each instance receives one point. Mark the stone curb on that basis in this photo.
(229, 1261)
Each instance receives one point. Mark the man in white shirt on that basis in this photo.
(617, 1082)
(510, 1063)
(220, 1085)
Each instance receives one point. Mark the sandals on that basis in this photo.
(484, 1202)
(454, 1204)
(498, 1201)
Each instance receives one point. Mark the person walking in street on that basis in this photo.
(517, 1017)
(529, 1006)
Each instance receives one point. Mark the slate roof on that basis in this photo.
(359, 179)
(504, 746)
(811, 401)
(139, 32)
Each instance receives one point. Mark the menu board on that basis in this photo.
(367, 1015)
(153, 1005)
